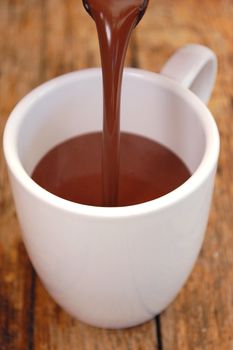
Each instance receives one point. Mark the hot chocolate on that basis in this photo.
(72, 170)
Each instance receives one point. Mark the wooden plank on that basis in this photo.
(202, 316)
(18, 73)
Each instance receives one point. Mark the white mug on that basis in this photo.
(117, 267)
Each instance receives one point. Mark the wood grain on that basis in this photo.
(40, 39)
(18, 74)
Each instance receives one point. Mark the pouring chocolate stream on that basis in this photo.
(115, 20)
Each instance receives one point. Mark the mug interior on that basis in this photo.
(72, 105)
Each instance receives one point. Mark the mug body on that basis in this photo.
(112, 267)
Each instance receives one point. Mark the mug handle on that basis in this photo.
(194, 67)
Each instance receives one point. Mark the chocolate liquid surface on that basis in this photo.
(148, 170)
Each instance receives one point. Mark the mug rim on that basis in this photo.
(206, 166)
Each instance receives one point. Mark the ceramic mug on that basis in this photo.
(117, 267)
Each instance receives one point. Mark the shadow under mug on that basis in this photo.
(117, 267)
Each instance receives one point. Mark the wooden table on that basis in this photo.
(40, 39)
